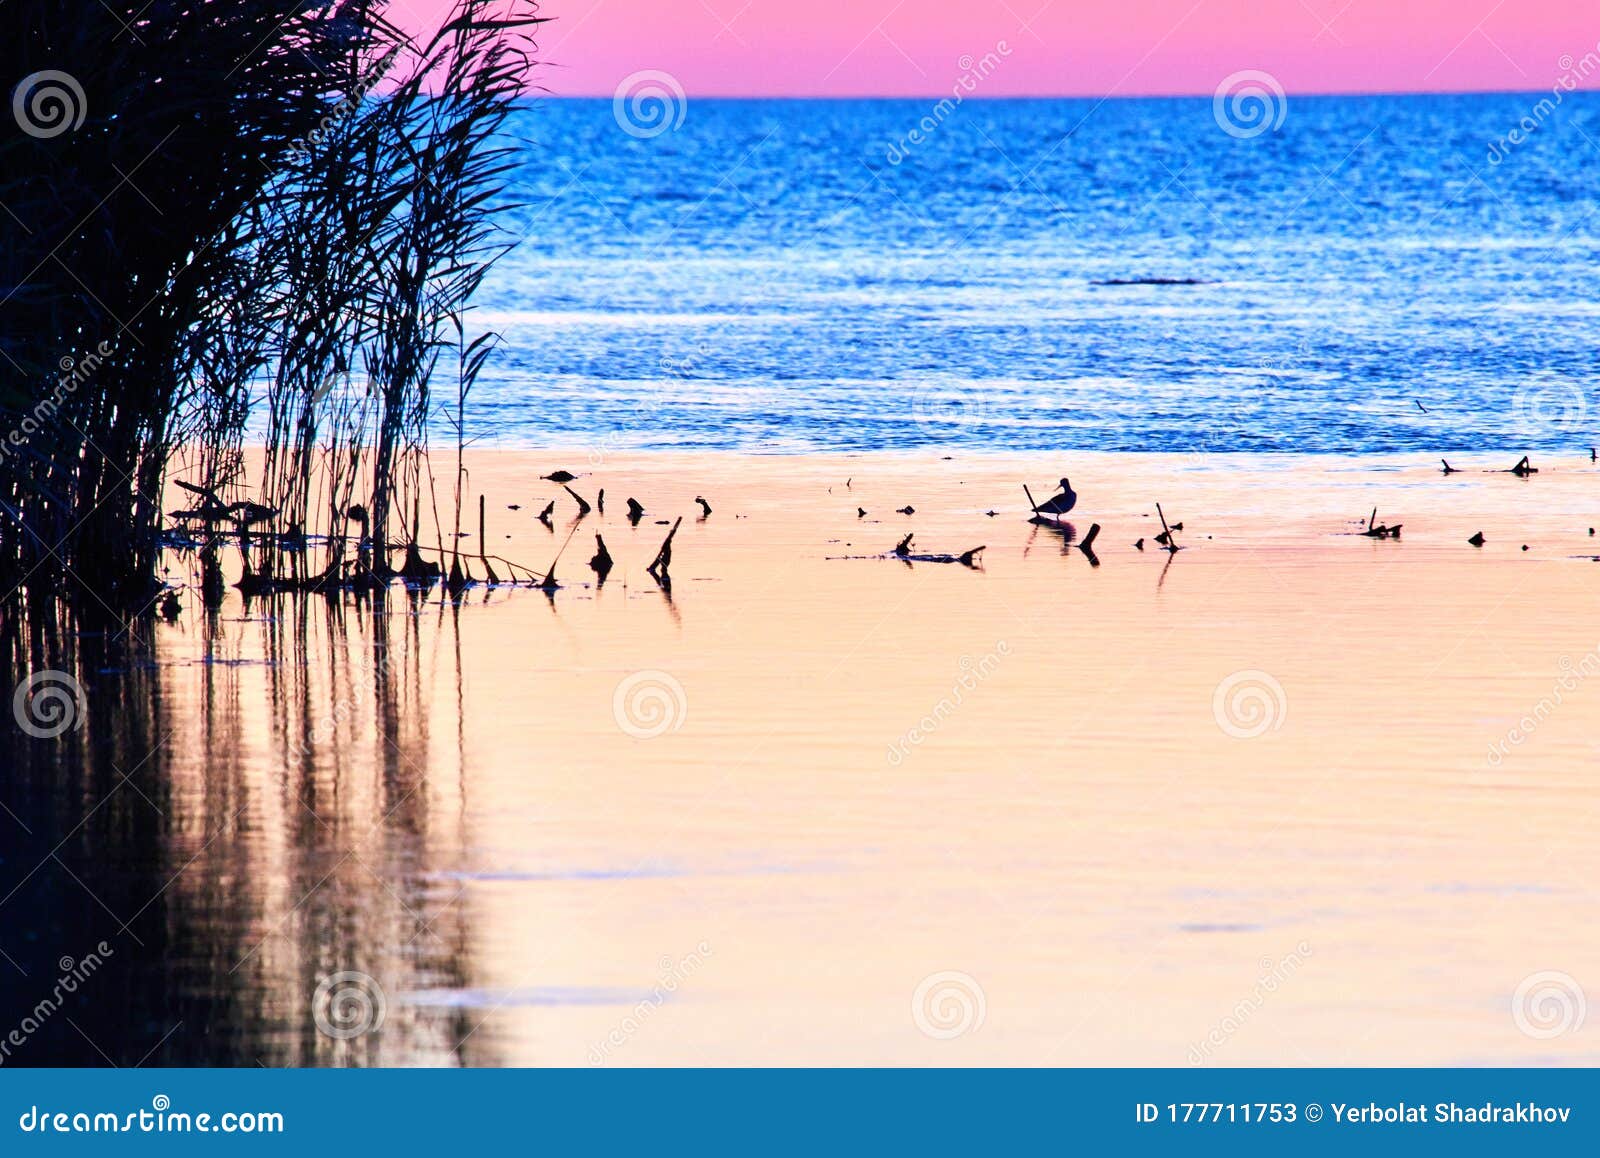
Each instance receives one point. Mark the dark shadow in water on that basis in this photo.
(235, 848)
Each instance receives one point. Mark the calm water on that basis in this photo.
(821, 809)
(765, 277)
(456, 831)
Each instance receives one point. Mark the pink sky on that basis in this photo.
(1069, 47)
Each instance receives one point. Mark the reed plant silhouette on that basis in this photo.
(213, 210)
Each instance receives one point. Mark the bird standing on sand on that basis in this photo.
(560, 476)
(1061, 503)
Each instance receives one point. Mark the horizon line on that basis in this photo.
(975, 98)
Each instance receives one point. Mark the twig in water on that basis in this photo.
(1165, 538)
(660, 568)
(483, 542)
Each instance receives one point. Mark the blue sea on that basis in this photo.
(1373, 274)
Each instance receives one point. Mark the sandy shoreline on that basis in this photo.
(1233, 807)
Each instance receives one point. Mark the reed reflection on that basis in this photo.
(248, 810)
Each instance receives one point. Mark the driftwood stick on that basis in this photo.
(1166, 531)
(663, 560)
(483, 542)
(583, 505)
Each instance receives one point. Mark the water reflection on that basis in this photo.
(246, 882)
